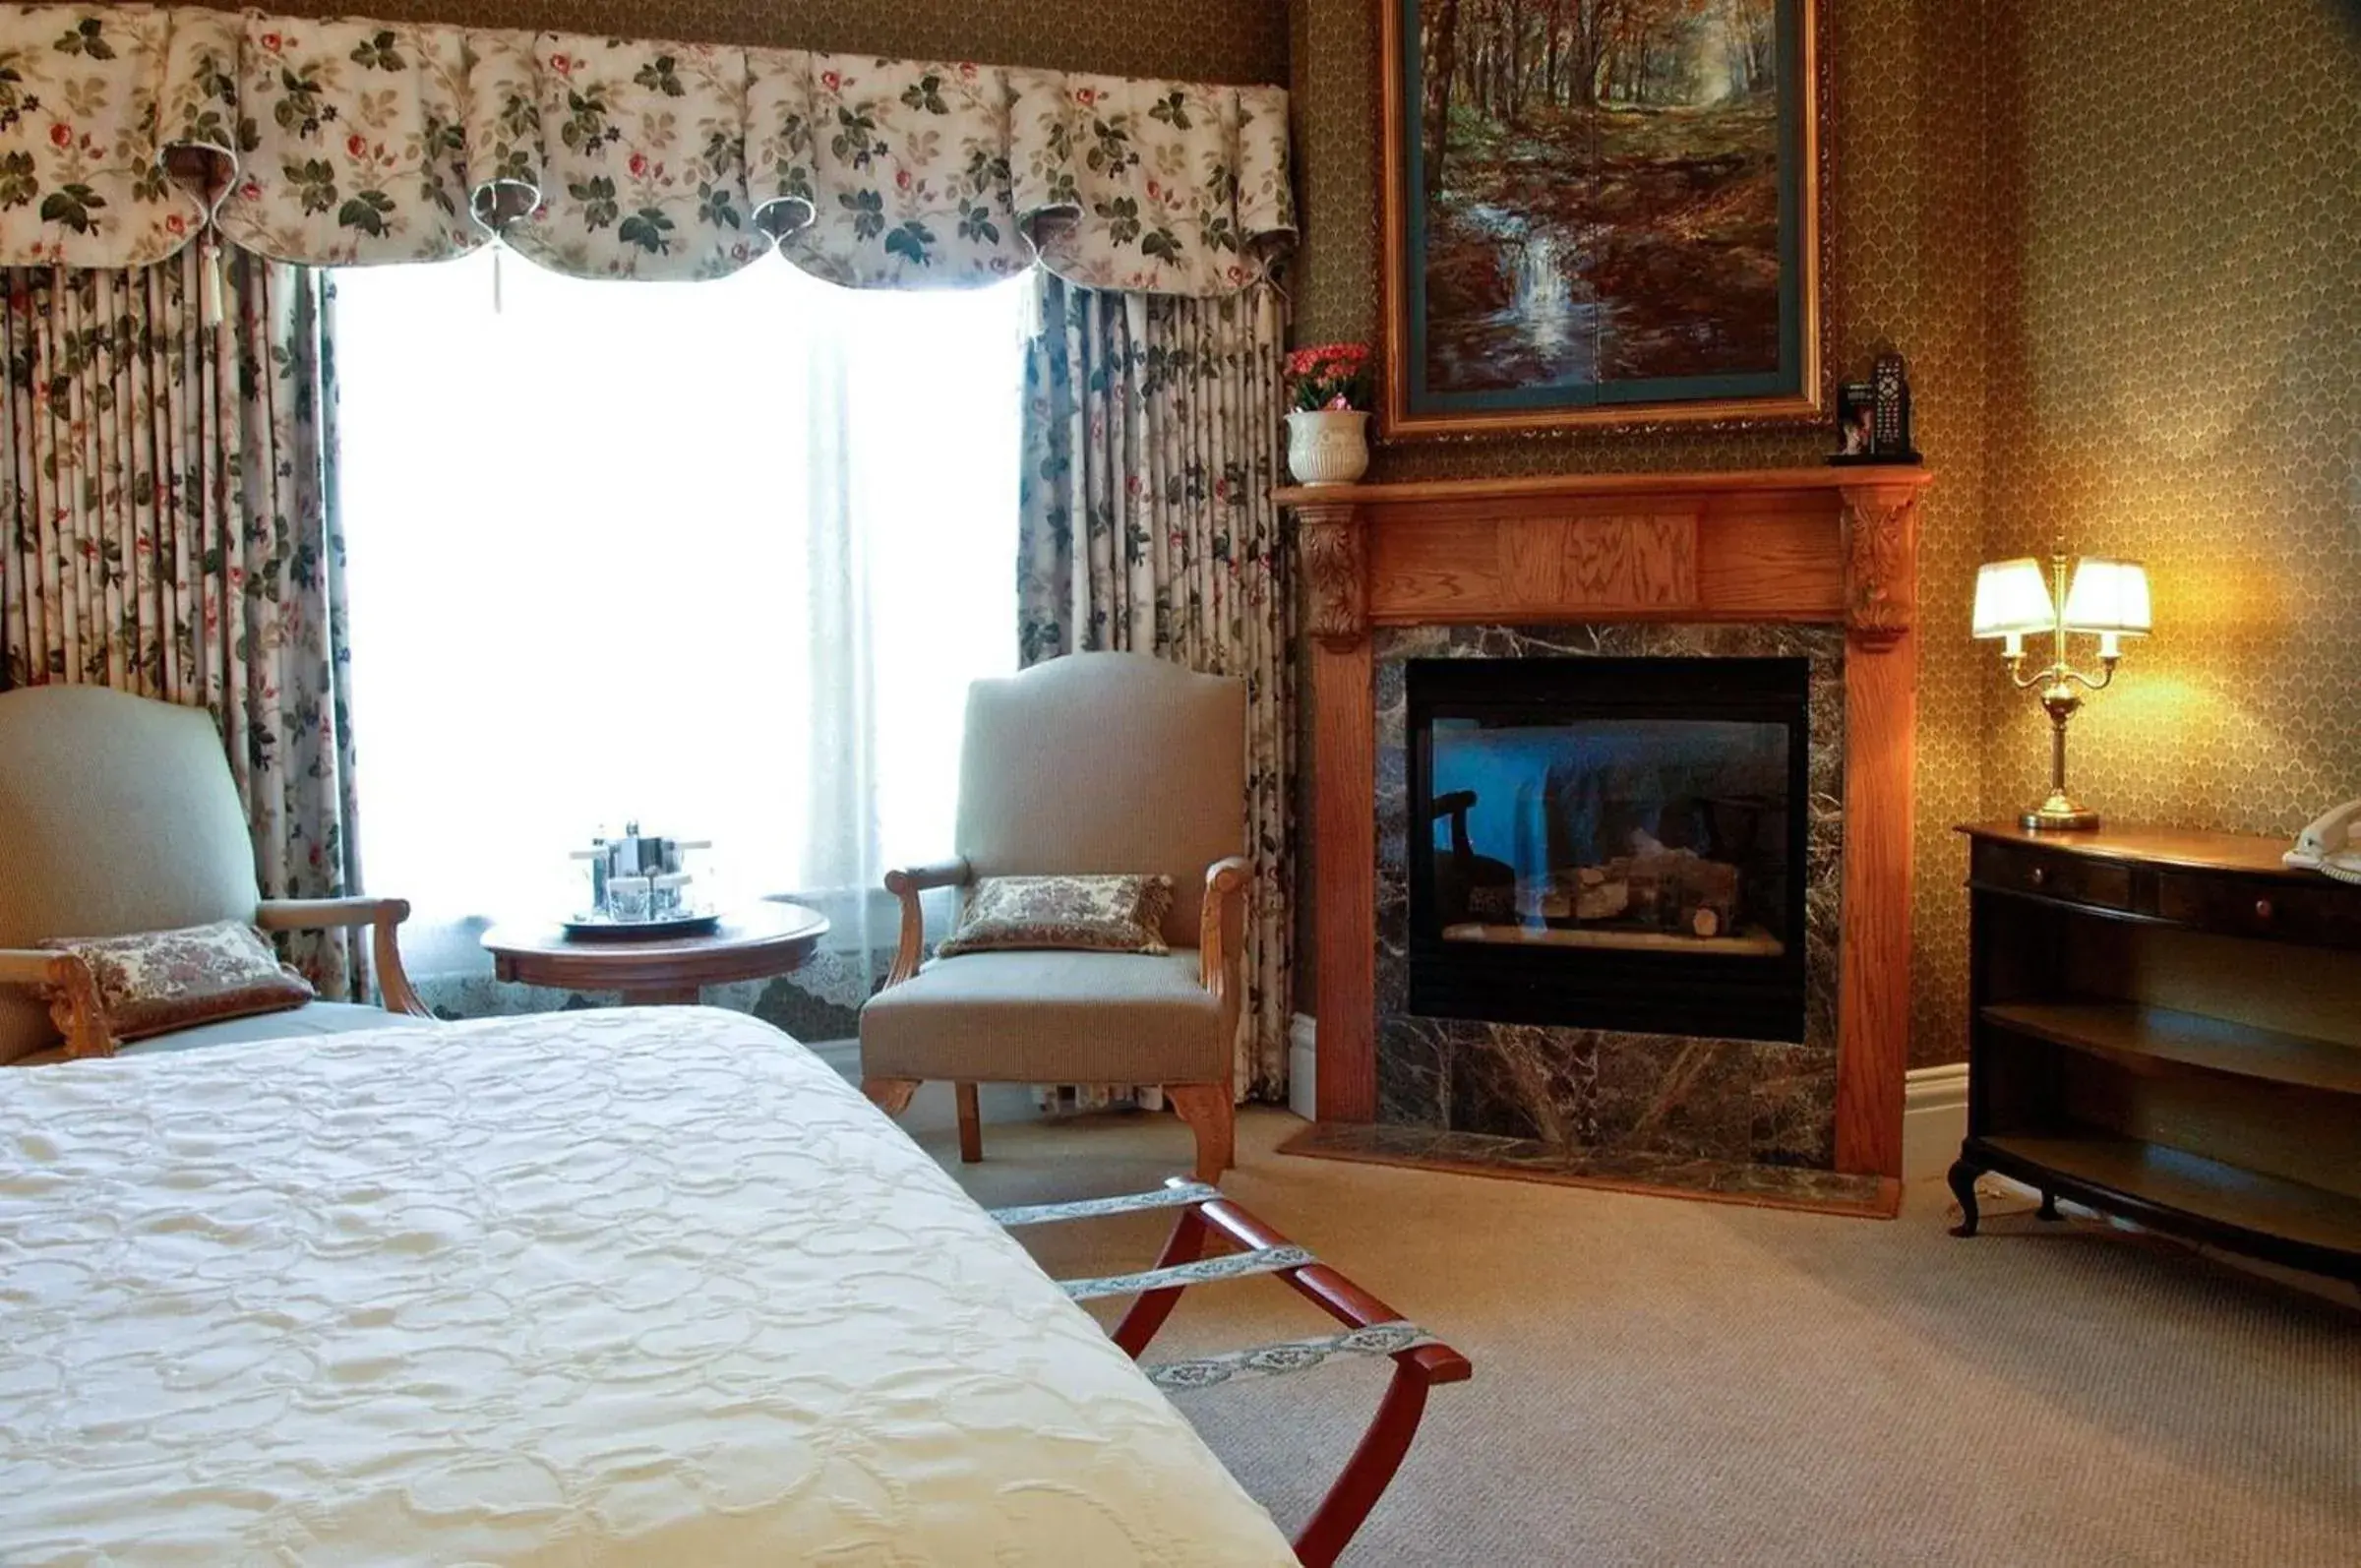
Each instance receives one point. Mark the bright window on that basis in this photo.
(721, 557)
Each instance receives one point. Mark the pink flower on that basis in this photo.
(562, 64)
(967, 70)
(61, 135)
(356, 146)
(250, 192)
(830, 81)
(1155, 191)
(271, 42)
(638, 165)
(175, 223)
(1086, 97)
(901, 178)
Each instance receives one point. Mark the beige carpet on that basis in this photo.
(1670, 1382)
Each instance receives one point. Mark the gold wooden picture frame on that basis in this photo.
(1601, 215)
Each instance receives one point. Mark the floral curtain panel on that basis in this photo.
(1152, 443)
(126, 130)
(168, 528)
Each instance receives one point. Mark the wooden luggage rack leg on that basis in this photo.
(1370, 1328)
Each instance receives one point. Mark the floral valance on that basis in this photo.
(126, 130)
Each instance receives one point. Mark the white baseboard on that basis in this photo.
(1303, 1068)
(1934, 1119)
(1934, 1102)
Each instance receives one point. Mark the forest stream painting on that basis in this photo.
(1599, 210)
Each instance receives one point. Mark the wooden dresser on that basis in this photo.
(2167, 1027)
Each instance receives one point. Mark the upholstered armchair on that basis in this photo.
(1093, 763)
(117, 816)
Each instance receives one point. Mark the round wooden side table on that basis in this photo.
(753, 943)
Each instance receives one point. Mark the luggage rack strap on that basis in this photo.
(1176, 1196)
(1285, 1357)
(1228, 1266)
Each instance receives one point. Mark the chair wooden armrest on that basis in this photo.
(380, 915)
(1222, 927)
(906, 885)
(85, 1033)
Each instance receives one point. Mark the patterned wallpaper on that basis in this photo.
(2180, 379)
(1194, 41)
(1906, 229)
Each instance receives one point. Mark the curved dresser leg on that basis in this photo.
(1963, 1187)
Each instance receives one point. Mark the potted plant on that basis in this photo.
(1327, 431)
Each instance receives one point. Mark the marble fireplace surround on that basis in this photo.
(1740, 562)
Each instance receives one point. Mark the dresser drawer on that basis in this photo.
(2326, 914)
(2072, 879)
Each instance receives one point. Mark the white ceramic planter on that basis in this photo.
(1327, 446)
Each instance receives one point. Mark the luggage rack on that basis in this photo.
(1371, 1329)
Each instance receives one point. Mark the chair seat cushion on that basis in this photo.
(313, 1018)
(1048, 1017)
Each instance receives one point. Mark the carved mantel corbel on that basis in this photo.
(1880, 563)
(1330, 543)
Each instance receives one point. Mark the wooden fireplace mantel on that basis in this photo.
(1831, 545)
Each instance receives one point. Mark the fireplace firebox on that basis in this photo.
(1610, 843)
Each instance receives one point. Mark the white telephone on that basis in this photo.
(2332, 845)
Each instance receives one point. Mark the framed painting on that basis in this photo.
(1599, 212)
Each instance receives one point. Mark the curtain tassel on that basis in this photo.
(1036, 303)
(210, 262)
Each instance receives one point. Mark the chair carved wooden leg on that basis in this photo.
(971, 1124)
(889, 1095)
(1213, 1117)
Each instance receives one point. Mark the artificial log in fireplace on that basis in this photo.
(1541, 835)
(1610, 843)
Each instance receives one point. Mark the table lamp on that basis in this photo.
(2016, 599)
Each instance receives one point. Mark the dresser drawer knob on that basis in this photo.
(2262, 909)
(2040, 875)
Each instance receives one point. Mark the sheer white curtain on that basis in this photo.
(719, 556)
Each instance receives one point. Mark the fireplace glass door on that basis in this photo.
(1610, 843)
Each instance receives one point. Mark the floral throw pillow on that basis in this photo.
(159, 981)
(1092, 914)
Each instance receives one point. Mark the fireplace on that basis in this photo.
(1438, 923)
(1610, 843)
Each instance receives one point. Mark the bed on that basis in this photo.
(644, 1285)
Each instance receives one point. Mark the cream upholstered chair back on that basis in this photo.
(117, 815)
(1106, 763)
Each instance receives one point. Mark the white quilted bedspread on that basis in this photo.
(634, 1287)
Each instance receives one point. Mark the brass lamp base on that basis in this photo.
(2060, 814)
